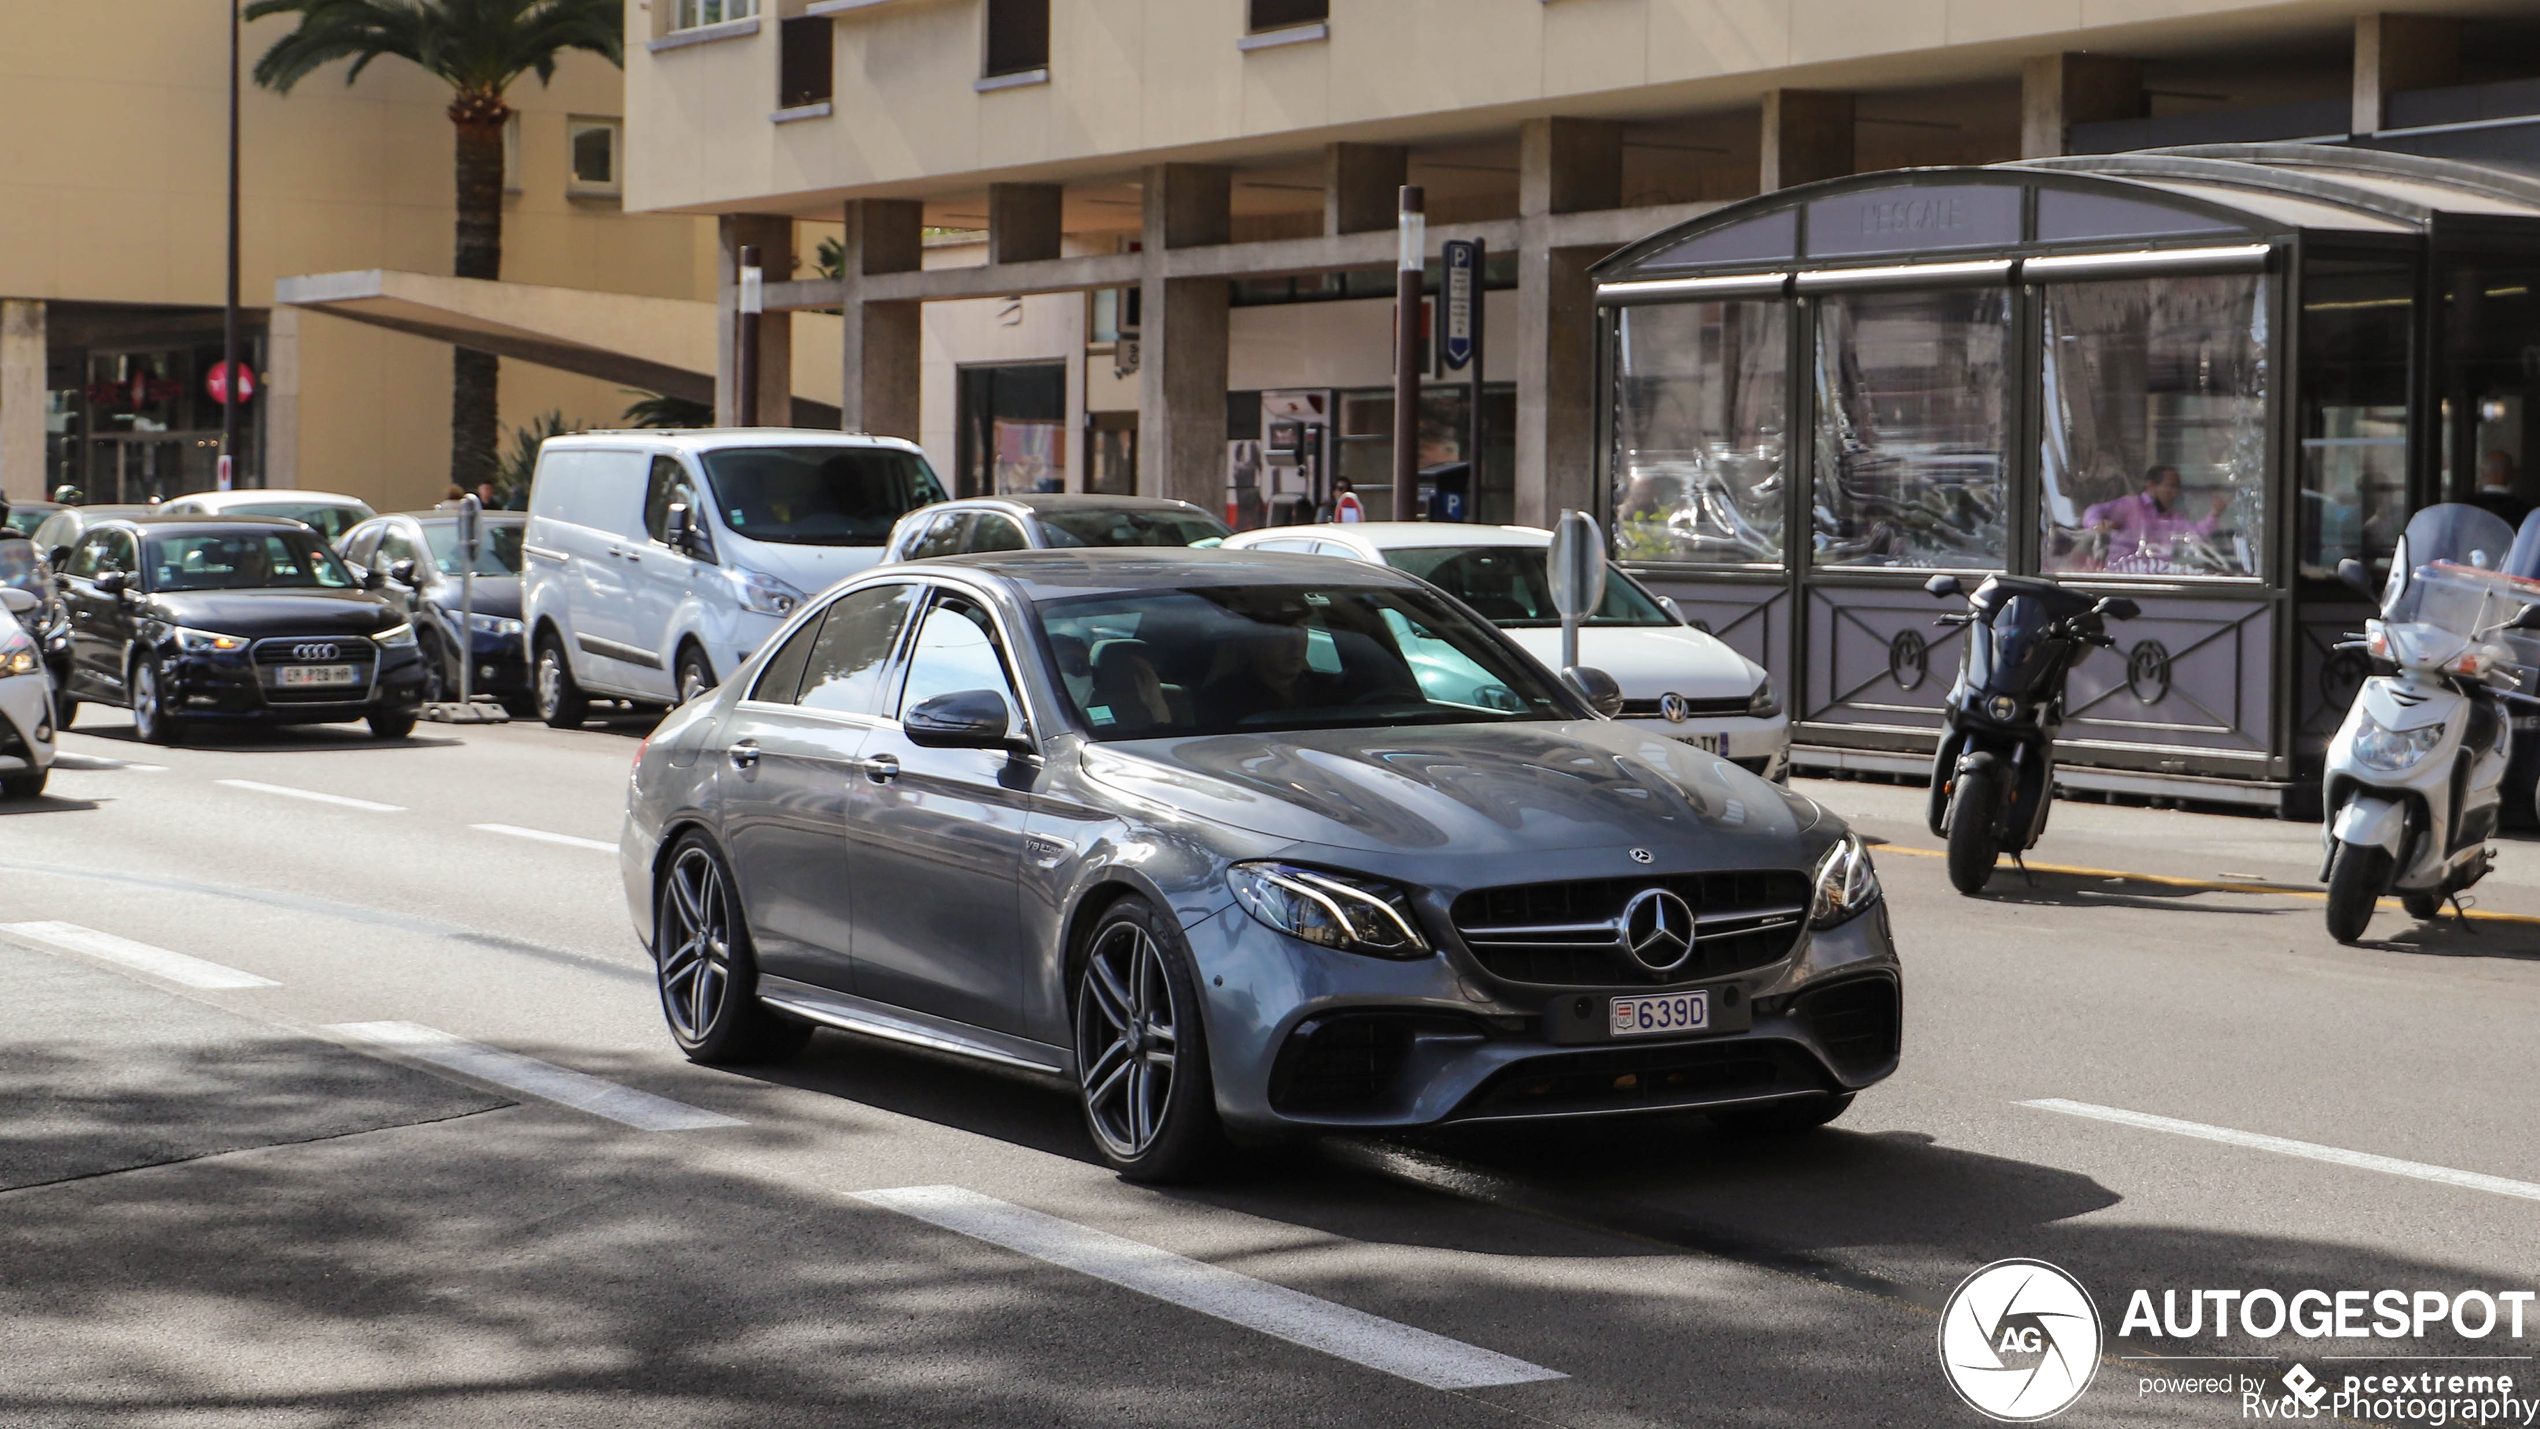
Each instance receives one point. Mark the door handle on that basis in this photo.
(744, 755)
(881, 768)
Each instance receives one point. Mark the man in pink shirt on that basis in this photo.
(2144, 529)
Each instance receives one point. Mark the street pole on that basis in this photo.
(1414, 266)
(470, 533)
(230, 383)
(745, 356)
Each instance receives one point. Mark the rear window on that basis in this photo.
(1095, 526)
(818, 495)
(330, 519)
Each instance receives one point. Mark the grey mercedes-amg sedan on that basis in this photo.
(1243, 845)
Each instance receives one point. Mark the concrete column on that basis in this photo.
(1807, 136)
(773, 235)
(1556, 382)
(1362, 186)
(1569, 165)
(880, 390)
(22, 399)
(1182, 339)
(1188, 205)
(2059, 91)
(1023, 222)
(280, 397)
(2396, 52)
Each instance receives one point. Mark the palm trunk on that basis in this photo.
(475, 377)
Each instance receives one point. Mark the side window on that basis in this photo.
(394, 547)
(955, 650)
(365, 540)
(669, 484)
(1335, 548)
(116, 554)
(943, 538)
(845, 669)
(783, 676)
(996, 533)
(1290, 544)
(87, 558)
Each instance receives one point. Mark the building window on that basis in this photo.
(1913, 431)
(695, 14)
(804, 52)
(1699, 411)
(591, 145)
(1280, 14)
(1018, 37)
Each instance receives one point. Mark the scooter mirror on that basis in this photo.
(1943, 586)
(2529, 619)
(2352, 572)
(2118, 607)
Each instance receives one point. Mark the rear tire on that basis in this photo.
(561, 702)
(1973, 846)
(2356, 878)
(706, 968)
(1778, 1118)
(24, 786)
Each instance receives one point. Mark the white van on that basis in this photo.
(657, 561)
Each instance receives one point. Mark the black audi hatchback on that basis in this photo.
(232, 619)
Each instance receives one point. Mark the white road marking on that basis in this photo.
(1275, 1310)
(2334, 1155)
(288, 792)
(158, 962)
(568, 840)
(65, 759)
(641, 1110)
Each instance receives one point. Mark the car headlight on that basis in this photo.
(2390, 750)
(1354, 915)
(396, 637)
(496, 625)
(17, 653)
(202, 642)
(1764, 704)
(763, 594)
(1846, 883)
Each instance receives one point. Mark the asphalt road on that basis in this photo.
(298, 1174)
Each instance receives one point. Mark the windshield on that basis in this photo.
(1508, 585)
(497, 547)
(24, 519)
(1258, 659)
(818, 496)
(242, 560)
(19, 566)
(331, 520)
(1094, 526)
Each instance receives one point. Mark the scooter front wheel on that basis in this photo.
(1973, 846)
(2357, 874)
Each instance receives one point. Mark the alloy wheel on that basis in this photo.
(550, 682)
(696, 942)
(1126, 1039)
(147, 718)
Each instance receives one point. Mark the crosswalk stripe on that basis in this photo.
(2283, 1146)
(562, 1085)
(142, 957)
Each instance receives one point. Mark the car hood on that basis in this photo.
(1651, 660)
(275, 612)
(1469, 789)
(495, 595)
(809, 569)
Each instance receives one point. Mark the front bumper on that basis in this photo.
(1368, 1043)
(1759, 746)
(229, 686)
(26, 724)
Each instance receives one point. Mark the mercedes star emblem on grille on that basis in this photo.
(1672, 705)
(1642, 855)
(314, 650)
(1658, 929)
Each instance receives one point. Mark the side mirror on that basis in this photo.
(2528, 619)
(19, 602)
(2352, 572)
(403, 573)
(2117, 607)
(964, 719)
(1942, 587)
(1596, 687)
(1668, 604)
(373, 578)
(113, 583)
(61, 557)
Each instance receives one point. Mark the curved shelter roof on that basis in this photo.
(2209, 196)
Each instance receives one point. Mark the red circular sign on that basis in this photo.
(217, 383)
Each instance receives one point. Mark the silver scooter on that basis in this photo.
(2415, 776)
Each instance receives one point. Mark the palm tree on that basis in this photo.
(478, 48)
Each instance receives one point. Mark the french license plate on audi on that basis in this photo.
(1664, 1012)
(301, 677)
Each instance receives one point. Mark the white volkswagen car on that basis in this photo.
(26, 701)
(1677, 681)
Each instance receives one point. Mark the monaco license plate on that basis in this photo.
(1707, 743)
(1664, 1012)
(306, 677)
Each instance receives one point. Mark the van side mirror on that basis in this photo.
(1596, 687)
(113, 583)
(403, 573)
(1942, 587)
(2352, 572)
(61, 557)
(2118, 607)
(964, 719)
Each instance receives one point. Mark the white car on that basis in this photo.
(1677, 681)
(331, 514)
(26, 701)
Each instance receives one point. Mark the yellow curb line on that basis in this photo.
(2250, 885)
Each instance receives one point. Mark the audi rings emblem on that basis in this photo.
(315, 650)
(1658, 929)
(1673, 706)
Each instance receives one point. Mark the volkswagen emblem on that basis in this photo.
(1642, 855)
(1658, 929)
(1672, 705)
(314, 650)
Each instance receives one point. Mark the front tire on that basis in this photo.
(150, 717)
(1973, 846)
(1141, 1052)
(24, 786)
(2356, 877)
(561, 702)
(706, 969)
(392, 724)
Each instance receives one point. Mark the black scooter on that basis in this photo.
(1994, 774)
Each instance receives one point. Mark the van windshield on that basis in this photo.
(818, 495)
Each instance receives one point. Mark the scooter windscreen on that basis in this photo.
(2447, 594)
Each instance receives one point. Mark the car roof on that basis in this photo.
(702, 439)
(188, 523)
(218, 499)
(488, 514)
(1102, 570)
(1400, 535)
(1040, 501)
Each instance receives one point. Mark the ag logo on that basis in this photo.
(2019, 1341)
